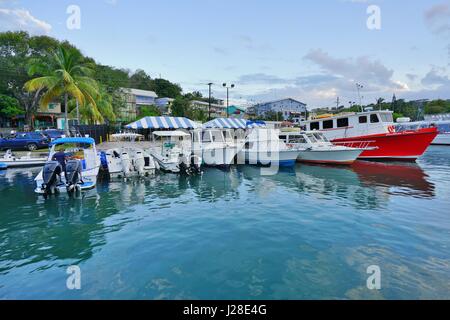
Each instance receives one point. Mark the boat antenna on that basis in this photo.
(359, 87)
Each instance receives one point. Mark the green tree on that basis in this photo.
(166, 89)
(9, 106)
(180, 107)
(149, 111)
(141, 80)
(63, 74)
(437, 106)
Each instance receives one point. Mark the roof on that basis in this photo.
(171, 134)
(139, 92)
(73, 140)
(274, 101)
(231, 123)
(163, 123)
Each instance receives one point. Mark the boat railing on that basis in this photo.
(366, 145)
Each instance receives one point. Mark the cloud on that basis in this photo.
(250, 44)
(262, 78)
(438, 19)
(354, 70)
(437, 77)
(19, 19)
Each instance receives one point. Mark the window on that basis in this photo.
(328, 124)
(386, 117)
(374, 118)
(363, 119)
(284, 138)
(311, 138)
(342, 122)
(314, 126)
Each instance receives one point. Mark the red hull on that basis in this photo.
(408, 145)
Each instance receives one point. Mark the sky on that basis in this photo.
(313, 51)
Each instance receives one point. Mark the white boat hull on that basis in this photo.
(218, 156)
(283, 158)
(329, 156)
(442, 139)
(18, 163)
(89, 178)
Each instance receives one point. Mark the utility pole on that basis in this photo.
(209, 101)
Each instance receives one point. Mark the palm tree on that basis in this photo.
(92, 114)
(63, 74)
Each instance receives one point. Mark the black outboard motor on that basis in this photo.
(51, 176)
(73, 175)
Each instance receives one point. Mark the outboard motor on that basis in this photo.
(73, 175)
(195, 164)
(139, 163)
(126, 164)
(51, 176)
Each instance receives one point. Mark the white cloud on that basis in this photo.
(438, 19)
(20, 19)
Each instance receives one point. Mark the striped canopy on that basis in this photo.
(163, 123)
(231, 123)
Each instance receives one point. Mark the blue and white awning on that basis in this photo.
(163, 123)
(231, 123)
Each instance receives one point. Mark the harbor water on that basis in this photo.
(306, 233)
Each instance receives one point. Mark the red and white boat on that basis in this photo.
(375, 131)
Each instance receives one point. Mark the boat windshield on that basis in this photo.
(386, 117)
(312, 138)
(300, 139)
(320, 137)
(228, 136)
(444, 127)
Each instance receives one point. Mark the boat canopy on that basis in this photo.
(73, 140)
(231, 123)
(171, 134)
(163, 123)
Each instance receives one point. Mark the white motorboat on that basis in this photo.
(216, 151)
(73, 164)
(174, 152)
(127, 162)
(12, 161)
(314, 147)
(443, 126)
(264, 147)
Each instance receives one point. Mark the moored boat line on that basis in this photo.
(378, 128)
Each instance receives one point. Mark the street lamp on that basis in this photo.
(359, 87)
(228, 95)
(209, 101)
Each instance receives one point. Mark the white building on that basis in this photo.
(217, 110)
(290, 108)
(135, 99)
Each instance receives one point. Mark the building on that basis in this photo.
(50, 116)
(134, 100)
(164, 104)
(290, 108)
(217, 110)
(235, 112)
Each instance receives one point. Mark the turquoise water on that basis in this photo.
(308, 233)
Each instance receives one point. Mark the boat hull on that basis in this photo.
(442, 139)
(24, 163)
(342, 157)
(220, 156)
(89, 178)
(285, 158)
(403, 146)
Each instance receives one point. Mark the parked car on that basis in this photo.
(24, 141)
(53, 134)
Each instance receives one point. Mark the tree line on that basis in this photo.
(37, 70)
